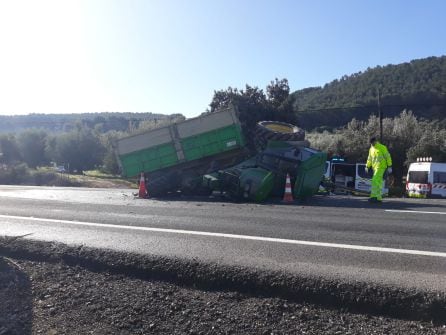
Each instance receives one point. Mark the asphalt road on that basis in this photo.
(399, 243)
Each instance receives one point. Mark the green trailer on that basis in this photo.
(175, 157)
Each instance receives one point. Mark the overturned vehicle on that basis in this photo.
(208, 153)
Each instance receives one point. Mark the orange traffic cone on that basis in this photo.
(288, 195)
(142, 186)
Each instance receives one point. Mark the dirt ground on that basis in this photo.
(95, 182)
(40, 297)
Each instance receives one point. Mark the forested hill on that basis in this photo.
(67, 122)
(419, 85)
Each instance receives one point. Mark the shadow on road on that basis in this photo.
(16, 309)
(340, 201)
(388, 203)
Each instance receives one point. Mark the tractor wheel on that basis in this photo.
(277, 131)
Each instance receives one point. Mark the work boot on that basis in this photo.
(373, 200)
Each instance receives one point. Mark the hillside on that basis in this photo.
(67, 122)
(419, 85)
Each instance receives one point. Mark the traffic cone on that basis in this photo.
(142, 186)
(288, 195)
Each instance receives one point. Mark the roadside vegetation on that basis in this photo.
(406, 137)
(41, 157)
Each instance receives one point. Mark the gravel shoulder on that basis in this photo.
(47, 298)
(45, 290)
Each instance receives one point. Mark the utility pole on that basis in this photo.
(380, 115)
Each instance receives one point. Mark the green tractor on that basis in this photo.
(264, 175)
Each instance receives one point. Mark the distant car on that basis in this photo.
(60, 168)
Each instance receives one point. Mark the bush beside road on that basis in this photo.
(22, 175)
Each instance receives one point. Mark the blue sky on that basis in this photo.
(168, 56)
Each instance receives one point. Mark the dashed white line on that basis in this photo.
(411, 211)
(235, 236)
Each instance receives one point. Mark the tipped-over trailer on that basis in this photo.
(175, 157)
(208, 153)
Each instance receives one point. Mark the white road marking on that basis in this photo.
(409, 211)
(235, 236)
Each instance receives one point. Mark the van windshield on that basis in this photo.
(418, 177)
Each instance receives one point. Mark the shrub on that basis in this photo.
(15, 174)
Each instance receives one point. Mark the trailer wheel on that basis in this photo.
(190, 182)
(161, 184)
(277, 131)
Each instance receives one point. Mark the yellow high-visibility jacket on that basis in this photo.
(379, 157)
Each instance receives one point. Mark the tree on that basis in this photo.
(32, 145)
(78, 149)
(223, 99)
(278, 92)
(406, 137)
(401, 134)
(110, 162)
(253, 105)
(432, 143)
(10, 152)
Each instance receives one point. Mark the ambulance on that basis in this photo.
(426, 179)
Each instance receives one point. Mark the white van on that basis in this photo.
(426, 180)
(351, 177)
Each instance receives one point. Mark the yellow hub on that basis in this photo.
(280, 128)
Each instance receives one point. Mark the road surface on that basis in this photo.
(399, 243)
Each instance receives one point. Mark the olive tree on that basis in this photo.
(79, 149)
(31, 144)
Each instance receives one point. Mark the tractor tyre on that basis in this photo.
(277, 131)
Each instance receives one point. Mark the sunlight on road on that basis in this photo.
(82, 195)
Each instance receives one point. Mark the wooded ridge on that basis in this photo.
(419, 86)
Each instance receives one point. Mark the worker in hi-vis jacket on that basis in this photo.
(379, 160)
